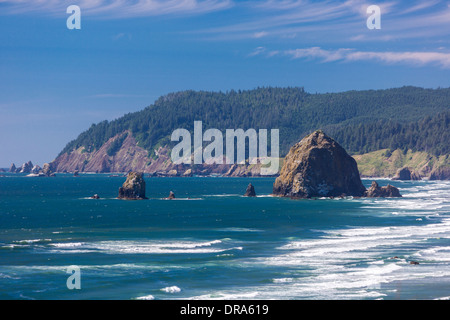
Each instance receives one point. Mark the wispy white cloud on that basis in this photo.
(115, 8)
(441, 59)
(344, 20)
(260, 34)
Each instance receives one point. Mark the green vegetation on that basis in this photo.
(116, 145)
(377, 164)
(362, 121)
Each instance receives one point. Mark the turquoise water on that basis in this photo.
(212, 243)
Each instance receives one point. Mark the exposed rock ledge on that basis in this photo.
(376, 191)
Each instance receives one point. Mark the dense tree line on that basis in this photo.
(361, 120)
(430, 134)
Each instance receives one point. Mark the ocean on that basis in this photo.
(213, 243)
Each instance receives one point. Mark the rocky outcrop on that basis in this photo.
(26, 167)
(384, 163)
(47, 170)
(171, 195)
(375, 191)
(13, 168)
(36, 169)
(318, 166)
(441, 173)
(172, 173)
(406, 174)
(133, 188)
(250, 192)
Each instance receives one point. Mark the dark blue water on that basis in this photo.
(213, 243)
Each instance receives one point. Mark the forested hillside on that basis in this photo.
(362, 121)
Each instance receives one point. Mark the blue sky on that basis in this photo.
(56, 82)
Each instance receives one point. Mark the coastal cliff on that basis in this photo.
(129, 156)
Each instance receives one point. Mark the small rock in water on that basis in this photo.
(171, 195)
(375, 191)
(250, 192)
(95, 196)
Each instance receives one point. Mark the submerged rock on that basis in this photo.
(406, 174)
(318, 166)
(250, 192)
(133, 188)
(375, 191)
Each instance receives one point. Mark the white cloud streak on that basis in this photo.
(441, 59)
(115, 8)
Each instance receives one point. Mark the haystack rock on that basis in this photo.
(406, 174)
(250, 192)
(318, 166)
(134, 187)
(375, 191)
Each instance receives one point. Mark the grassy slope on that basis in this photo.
(379, 164)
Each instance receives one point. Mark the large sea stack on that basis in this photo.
(133, 188)
(318, 166)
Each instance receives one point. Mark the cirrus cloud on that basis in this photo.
(115, 8)
(416, 58)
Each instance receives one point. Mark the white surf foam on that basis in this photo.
(146, 247)
(173, 289)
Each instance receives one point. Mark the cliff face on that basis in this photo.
(318, 166)
(131, 157)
